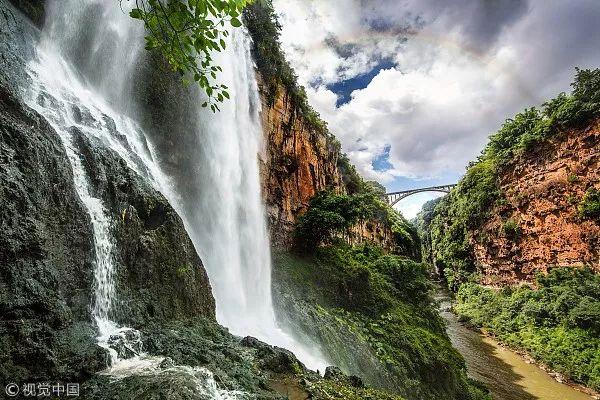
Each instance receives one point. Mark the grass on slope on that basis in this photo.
(383, 302)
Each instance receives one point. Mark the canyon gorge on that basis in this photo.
(153, 248)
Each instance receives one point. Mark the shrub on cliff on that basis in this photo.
(456, 214)
(590, 205)
(351, 179)
(533, 125)
(264, 28)
(423, 225)
(558, 323)
(511, 229)
(330, 216)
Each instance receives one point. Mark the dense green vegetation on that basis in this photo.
(590, 205)
(331, 215)
(463, 209)
(558, 321)
(381, 302)
(423, 224)
(558, 324)
(468, 205)
(187, 32)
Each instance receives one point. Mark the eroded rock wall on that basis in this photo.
(543, 191)
(296, 162)
(46, 255)
(160, 277)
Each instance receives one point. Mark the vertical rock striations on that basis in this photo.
(46, 255)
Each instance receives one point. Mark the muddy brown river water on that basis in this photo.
(507, 374)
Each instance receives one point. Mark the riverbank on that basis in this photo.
(557, 323)
(526, 358)
(507, 373)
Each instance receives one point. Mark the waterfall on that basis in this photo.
(227, 221)
(86, 58)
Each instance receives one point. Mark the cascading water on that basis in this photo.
(225, 217)
(66, 104)
(233, 240)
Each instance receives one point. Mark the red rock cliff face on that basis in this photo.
(543, 191)
(296, 162)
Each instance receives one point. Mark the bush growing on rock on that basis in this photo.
(331, 216)
(590, 205)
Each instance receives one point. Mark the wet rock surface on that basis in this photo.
(34, 9)
(202, 357)
(159, 274)
(18, 36)
(46, 276)
(46, 254)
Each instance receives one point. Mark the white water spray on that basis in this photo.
(226, 221)
(68, 105)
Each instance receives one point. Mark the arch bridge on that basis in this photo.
(394, 197)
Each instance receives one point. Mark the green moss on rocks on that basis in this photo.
(198, 351)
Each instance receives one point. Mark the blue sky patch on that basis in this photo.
(344, 89)
(382, 161)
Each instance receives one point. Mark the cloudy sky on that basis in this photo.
(413, 88)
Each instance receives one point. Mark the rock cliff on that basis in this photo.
(297, 161)
(46, 255)
(539, 224)
(46, 245)
(46, 250)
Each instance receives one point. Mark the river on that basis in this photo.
(504, 372)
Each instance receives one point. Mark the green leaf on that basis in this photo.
(235, 22)
(136, 13)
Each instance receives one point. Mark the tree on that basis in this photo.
(186, 32)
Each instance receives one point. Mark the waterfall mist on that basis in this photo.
(216, 190)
